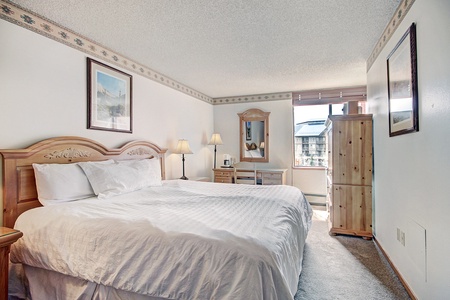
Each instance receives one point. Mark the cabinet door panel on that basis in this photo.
(352, 152)
(352, 209)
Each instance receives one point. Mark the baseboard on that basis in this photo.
(405, 284)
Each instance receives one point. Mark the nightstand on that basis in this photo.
(7, 237)
(224, 175)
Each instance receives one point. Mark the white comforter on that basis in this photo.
(184, 240)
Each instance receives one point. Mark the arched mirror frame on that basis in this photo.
(252, 115)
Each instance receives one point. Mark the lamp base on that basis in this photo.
(184, 178)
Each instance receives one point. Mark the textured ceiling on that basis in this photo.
(234, 47)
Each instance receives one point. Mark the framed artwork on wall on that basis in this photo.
(109, 98)
(402, 85)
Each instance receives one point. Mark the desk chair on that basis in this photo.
(244, 173)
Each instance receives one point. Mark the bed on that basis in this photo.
(161, 239)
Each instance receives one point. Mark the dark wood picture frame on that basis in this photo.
(403, 102)
(109, 93)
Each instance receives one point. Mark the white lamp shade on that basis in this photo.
(215, 139)
(183, 147)
(261, 145)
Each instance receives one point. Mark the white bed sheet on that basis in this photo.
(183, 240)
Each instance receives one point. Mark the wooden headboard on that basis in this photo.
(19, 186)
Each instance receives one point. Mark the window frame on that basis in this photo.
(325, 97)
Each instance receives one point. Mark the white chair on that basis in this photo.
(245, 173)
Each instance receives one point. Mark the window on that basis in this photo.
(311, 110)
(310, 149)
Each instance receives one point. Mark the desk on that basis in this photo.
(263, 176)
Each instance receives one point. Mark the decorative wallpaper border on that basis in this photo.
(398, 17)
(30, 20)
(253, 98)
(15, 14)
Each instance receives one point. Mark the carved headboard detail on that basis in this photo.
(19, 186)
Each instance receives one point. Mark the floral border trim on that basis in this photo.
(68, 153)
(253, 98)
(13, 13)
(395, 21)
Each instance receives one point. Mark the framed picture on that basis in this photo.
(402, 85)
(109, 98)
(248, 131)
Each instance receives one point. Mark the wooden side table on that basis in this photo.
(7, 237)
(223, 175)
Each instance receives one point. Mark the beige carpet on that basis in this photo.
(345, 267)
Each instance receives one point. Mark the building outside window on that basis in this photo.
(309, 134)
(310, 149)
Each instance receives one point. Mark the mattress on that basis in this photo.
(182, 240)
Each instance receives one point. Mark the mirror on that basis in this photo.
(254, 135)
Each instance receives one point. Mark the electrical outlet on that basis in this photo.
(398, 234)
(402, 238)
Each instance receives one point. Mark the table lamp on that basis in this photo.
(183, 148)
(215, 140)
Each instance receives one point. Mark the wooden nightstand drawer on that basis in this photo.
(223, 179)
(222, 174)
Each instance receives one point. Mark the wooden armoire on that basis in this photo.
(349, 199)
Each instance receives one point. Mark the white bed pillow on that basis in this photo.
(255, 153)
(122, 176)
(152, 167)
(58, 183)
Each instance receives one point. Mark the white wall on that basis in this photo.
(411, 171)
(313, 182)
(43, 95)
